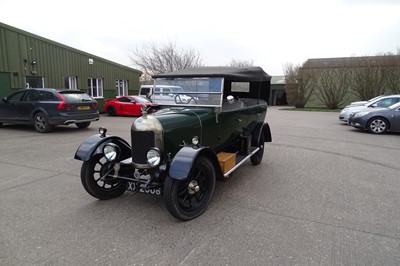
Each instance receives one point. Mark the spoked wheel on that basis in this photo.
(187, 199)
(378, 125)
(257, 157)
(93, 179)
(41, 123)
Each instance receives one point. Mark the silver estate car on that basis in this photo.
(384, 101)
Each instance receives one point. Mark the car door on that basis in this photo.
(26, 106)
(9, 106)
(125, 106)
(395, 125)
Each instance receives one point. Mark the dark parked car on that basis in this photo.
(378, 120)
(45, 108)
(126, 105)
(182, 149)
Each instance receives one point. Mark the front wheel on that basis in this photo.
(95, 180)
(378, 125)
(187, 199)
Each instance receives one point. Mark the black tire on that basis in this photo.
(41, 123)
(257, 157)
(111, 111)
(378, 125)
(92, 171)
(186, 203)
(83, 124)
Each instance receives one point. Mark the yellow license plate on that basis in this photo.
(83, 107)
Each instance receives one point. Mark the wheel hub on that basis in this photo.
(193, 187)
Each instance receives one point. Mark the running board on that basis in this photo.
(240, 159)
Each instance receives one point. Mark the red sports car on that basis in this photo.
(126, 105)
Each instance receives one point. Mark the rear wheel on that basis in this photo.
(41, 123)
(94, 182)
(257, 157)
(187, 199)
(111, 111)
(83, 124)
(378, 125)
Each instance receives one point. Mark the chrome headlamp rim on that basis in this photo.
(111, 152)
(153, 156)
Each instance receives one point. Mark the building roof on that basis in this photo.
(388, 60)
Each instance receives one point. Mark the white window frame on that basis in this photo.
(72, 83)
(95, 87)
(122, 87)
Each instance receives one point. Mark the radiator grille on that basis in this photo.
(141, 142)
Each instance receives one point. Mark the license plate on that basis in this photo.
(132, 186)
(83, 107)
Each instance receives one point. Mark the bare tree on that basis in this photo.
(391, 73)
(241, 63)
(154, 58)
(298, 85)
(367, 78)
(332, 86)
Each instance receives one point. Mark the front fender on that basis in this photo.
(94, 145)
(184, 160)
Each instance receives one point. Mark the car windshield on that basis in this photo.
(188, 91)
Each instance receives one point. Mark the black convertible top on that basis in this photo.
(231, 73)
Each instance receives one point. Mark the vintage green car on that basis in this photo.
(200, 134)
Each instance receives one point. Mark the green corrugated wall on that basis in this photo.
(54, 61)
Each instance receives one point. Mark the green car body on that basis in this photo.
(177, 151)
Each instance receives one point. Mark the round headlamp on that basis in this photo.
(111, 152)
(195, 140)
(153, 157)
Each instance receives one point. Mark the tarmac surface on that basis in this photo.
(325, 194)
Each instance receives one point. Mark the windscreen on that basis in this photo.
(188, 91)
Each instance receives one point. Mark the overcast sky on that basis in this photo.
(271, 33)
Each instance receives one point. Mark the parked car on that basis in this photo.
(45, 108)
(182, 149)
(169, 93)
(384, 101)
(126, 105)
(378, 120)
(364, 102)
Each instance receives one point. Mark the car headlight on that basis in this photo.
(111, 152)
(153, 157)
(360, 114)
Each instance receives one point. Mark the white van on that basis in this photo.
(163, 93)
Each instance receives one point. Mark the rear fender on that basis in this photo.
(94, 145)
(261, 128)
(186, 157)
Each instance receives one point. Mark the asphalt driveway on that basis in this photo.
(325, 194)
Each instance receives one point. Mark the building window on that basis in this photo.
(121, 87)
(95, 87)
(34, 82)
(70, 83)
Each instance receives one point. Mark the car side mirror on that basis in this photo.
(5, 99)
(374, 105)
